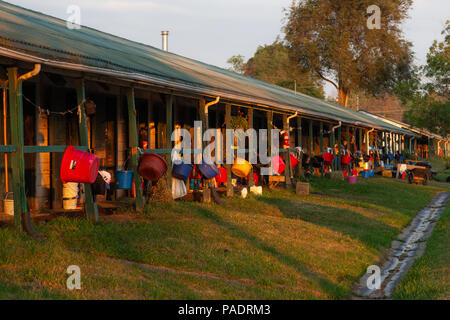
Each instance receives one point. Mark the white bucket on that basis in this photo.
(70, 195)
(256, 190)
(8, 205)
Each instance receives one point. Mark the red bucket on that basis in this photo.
(152, 166)
(278, 164)
(222, 177)
(346, 159)
(255, 178)
(294, 161)
(328, 157)
(79, 166)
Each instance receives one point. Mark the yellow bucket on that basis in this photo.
(241, 168)
(8, 205)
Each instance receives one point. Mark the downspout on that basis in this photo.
(3, 84)
(367, 140)
(290, 117)
(211, 104)
(333, 142)
(26, 218)
(214, 193)
(31, 74)
(335, 127)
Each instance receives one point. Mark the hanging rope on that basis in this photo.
(59, 113)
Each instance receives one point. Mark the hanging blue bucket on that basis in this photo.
(124, 179)
(181, 171)
(208, 171)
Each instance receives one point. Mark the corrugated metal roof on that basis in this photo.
(47, 40)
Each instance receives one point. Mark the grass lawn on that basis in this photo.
(278, 246)
(429, 277)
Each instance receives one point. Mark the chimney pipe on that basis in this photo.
(165, 42)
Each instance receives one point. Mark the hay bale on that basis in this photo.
(335, 175)
(161, 191)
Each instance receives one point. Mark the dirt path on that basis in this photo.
(408, 246)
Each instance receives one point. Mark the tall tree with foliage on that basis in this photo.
(273, 63)
(237, 63)
(427, 93)
(332, 39)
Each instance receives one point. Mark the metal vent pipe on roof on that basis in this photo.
(165, 40)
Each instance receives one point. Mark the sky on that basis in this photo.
(214, 30)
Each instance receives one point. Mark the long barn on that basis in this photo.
(141, 94)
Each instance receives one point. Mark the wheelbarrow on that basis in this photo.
(419, 175)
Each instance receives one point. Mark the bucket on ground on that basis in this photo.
(70, 195)
(124, 179)
(152, 166)
(8, 204)
(241, 168)
(352, 179)
(78, 166)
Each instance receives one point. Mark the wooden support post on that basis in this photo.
(321, 137)
(348, 138)
(90, 205)
(353, 149)
(299, 132)
(228, 166)
(205, 122)
(391, 143)
(251, 181)
(321, 144)
(410, 146)
(339, 147)
(287, 170)
(360, 139)
(17, 158)
(299, 143)
(332, 145)
(169, 129)
(311, 139)
(269, 132)
(415, 147)
(133, 143)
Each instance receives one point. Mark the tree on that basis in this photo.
(237, 63)
(273, 64)
(427, 92)
(332, 39)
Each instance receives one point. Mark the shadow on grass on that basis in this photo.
(326, 285)
(374, 234)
